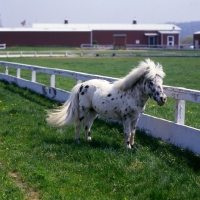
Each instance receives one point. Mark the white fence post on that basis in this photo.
(6, 70)
(180, 111)
(52, 80)
(33, 76)
(18, 72)
(78, 81)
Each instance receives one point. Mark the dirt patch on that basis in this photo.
(29, 193)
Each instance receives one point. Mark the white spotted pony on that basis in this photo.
(123, 100)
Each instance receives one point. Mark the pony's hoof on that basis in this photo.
(89, 139)
(133, 147)
(128, 146)
(77, 141)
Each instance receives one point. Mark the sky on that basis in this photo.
(13, 12)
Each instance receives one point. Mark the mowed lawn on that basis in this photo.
(40, 162)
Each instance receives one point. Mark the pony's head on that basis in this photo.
(149, 76)
(153, 80)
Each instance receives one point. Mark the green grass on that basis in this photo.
(48, 161)
(79, 51)
(180, 72)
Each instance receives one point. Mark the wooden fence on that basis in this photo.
(171, 132)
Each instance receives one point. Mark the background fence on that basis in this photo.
(171, 132)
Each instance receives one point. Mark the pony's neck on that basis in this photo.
(141, 96)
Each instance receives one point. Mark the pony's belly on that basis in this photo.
(108, 110)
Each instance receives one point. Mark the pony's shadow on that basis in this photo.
(25, 93)
(164, 152)
(95, 143)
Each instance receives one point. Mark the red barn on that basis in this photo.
(74, 35)
(196, 39)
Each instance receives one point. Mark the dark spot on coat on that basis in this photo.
(87, 86)
(92, 109)
(81, 118)
(125, 117)
(86, 128)
(126, 109)
(121, 96)
(83, 108)
(102, 102)
(82, 93)
(112, 99)
(115, 108)
(116, 98)
(109, 95)
(106, 112)
(81, 88)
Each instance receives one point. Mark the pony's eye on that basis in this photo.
(151, 82)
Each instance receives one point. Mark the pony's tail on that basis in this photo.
(66, 114)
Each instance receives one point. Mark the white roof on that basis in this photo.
(198, 32)
(42, 30)
(158, 27)
(90, 27)
(169, 32)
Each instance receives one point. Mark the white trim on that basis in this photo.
(170, 43)
(150, 34)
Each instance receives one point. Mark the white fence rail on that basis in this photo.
(98, 52)
(172, 132)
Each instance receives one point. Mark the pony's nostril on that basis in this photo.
(163, 99)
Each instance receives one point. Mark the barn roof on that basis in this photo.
(146, 27)
(93, 27)
(196, 33)
(32, 29)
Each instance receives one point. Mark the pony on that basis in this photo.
(123, 100)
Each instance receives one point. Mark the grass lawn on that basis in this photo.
(40, 162)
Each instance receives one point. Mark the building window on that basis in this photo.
(170, 40)
(137, 41)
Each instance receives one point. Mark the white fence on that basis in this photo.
(2, 46)
(171, 132)
(98, 52)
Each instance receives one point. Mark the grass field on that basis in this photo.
(39, 162)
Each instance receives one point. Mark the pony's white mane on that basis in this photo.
(147, 68)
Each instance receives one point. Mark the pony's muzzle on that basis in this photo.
(162, 101)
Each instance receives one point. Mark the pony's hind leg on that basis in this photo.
(78, 131)
(78, 126)
(88, 123)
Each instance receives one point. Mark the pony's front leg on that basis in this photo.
(127, 134)
(133, 129)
